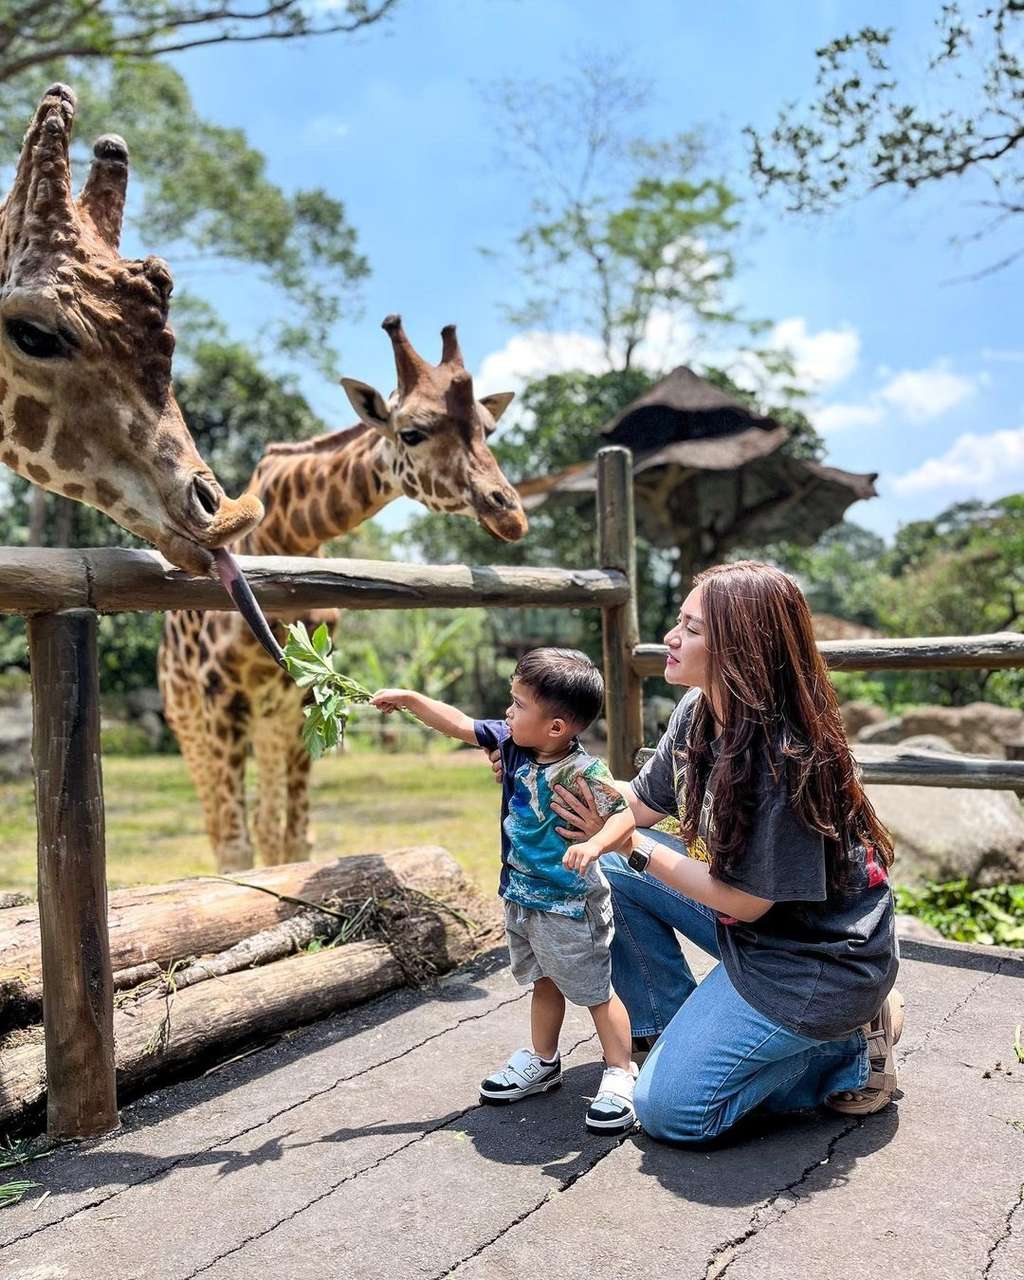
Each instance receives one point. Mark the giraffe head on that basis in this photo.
(85, 355)
(439, 432)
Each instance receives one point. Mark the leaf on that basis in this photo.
(322, 640)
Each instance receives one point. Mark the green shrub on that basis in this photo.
(993, 915)
(125, 740)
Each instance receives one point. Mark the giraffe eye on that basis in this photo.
(412, 437)
(33, 341)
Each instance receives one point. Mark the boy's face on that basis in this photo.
(532, 724)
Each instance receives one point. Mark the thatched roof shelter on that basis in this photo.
(709, 475)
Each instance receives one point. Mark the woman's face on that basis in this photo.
(686, 662)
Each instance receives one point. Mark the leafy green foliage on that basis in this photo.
(102, 30)
(621, 227)
(959, 573)
(993, 915)
(867, 130)
(310, 666)
(234, 408)
(207, 202)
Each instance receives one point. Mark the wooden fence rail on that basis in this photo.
(925, 653)
(903, 766)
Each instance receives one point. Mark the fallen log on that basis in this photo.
(161, 1037)
(268, 945)
(168, 922)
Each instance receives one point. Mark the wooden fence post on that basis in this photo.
(78, 989)
(616, 549)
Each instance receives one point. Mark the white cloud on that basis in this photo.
(833, 418)
(321, 131)
(821, 359)
(920, 394)
(534, 354)
(975, 465)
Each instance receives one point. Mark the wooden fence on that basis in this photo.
(62, 593)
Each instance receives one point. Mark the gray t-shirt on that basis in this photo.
(818, 964)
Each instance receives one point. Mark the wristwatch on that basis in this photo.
(641, 855)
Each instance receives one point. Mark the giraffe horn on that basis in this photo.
(409, 363)
(450, 351)
(42, 184)
(102, 197)
(460, 395)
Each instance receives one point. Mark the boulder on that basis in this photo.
(950, 833)
(979, 729)
(857, 715)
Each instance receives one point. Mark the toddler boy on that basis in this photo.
(558, 912)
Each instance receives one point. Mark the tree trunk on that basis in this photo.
(166, 922)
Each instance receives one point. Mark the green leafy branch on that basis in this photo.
(310, 664)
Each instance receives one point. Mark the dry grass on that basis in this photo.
(361, 803)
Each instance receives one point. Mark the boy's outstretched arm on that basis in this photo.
(616, 832)
(434, 714)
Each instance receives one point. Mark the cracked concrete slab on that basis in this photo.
(356, 1148)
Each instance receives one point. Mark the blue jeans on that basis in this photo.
(717, 1057)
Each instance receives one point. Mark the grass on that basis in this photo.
(362, 802)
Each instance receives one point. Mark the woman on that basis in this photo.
(785, 879)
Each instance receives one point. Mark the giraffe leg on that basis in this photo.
(298, 835)
(228, 733)
(268, 739)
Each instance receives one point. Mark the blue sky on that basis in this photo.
(915, 377)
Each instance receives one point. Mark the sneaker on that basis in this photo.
(524, 1073)
(882, 1034)
(612, 1109)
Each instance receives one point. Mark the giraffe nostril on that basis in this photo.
(206, 496)
(501, 499)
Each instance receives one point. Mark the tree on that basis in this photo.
(36, 32)
(623, 232)
(626, 236)
(866, 130)
(206, 199)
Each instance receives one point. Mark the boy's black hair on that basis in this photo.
(565, 681)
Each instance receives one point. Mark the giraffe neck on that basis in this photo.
(321, 490)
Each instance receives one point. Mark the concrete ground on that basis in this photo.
(356, 1148)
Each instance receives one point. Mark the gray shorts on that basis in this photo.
(572, 953)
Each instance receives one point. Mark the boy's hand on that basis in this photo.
(579, 856)
(497, 768)
(388, 700)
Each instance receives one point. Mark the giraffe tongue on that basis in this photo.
(238, 589)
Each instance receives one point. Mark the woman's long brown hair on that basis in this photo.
(778, 706)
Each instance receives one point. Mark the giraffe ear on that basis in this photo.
(496, 405)
(369, 404)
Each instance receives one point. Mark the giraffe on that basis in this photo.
(86, 406)
(221, 692)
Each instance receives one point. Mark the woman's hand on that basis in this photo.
(497, 768)
(580, 815)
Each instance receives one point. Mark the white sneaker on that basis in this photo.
(524, 1073)
(612, 1108)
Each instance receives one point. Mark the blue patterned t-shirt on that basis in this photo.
(532, 873)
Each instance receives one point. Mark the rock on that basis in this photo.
(979, 729)
(859, 714)
(950, 833)
(657, 712)
(918, 930)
